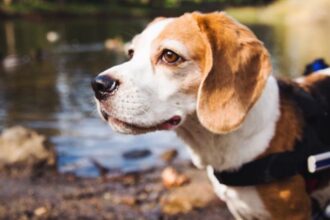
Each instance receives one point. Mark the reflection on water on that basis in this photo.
(45, 85)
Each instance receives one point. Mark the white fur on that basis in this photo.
(243, 202)
(323, 72)
(149, 94)
(322, 195)
(300, 79)
(230, 151)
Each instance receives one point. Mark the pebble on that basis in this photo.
(107, 196)
(40, 211)
(172, 178)
(125, 200)
(197, 194)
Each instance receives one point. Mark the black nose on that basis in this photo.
(103, 86)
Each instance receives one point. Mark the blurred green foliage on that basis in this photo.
(82, 7)
(159, 3)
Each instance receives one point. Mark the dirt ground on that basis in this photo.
(48, 195)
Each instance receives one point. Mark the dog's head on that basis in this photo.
(207, 63)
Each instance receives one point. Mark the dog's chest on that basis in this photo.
(243, 202)
(225, 152)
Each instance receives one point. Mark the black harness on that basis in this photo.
(279, 166)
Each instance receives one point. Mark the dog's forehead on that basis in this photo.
(184, 34)
(183, 29)
(181, 34)
(151, 32)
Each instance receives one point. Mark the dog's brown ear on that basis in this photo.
(235, 73)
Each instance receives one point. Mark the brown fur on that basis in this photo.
(181, 31)
(288, 128)
(235, 78)
(286, 199)
(233, 62)
(313, 79)
(234, 66)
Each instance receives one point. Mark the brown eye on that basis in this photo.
(170, 57)
(130, 53)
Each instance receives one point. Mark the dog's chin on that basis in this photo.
(131, 128)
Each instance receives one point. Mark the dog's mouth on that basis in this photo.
(169, 124)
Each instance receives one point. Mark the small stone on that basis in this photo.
(129, 179)
(172, 178)
(40, 211)
(197, 194)
(143, 196)
(169, 155)
(137, 154)
(153, 196)
(125, 200)
(147, 207)
(107, 196)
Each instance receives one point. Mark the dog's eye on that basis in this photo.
(170, 57)
(130, 53)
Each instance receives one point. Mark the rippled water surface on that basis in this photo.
(46, 86)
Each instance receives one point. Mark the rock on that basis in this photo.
(23, 146)
(129, 179)
(40, 211)
(125, 200)
(169, 155)
(137, 154)
(107, 196)
(172, 178)
(197, 194)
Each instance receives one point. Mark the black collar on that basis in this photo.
(282, 165)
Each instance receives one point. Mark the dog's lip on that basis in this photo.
(169, 124)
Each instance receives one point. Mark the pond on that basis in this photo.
(45, 73)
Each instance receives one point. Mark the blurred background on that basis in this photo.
(50, 50)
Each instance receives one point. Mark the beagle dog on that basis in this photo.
(209, 78)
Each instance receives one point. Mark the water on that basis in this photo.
(48, 89)
(46, 86)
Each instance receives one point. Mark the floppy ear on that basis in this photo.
(238, 66)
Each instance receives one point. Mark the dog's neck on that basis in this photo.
(232, 150)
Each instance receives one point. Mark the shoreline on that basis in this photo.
(140, 195)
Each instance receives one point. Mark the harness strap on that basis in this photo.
(282, 165)
(271, 168)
